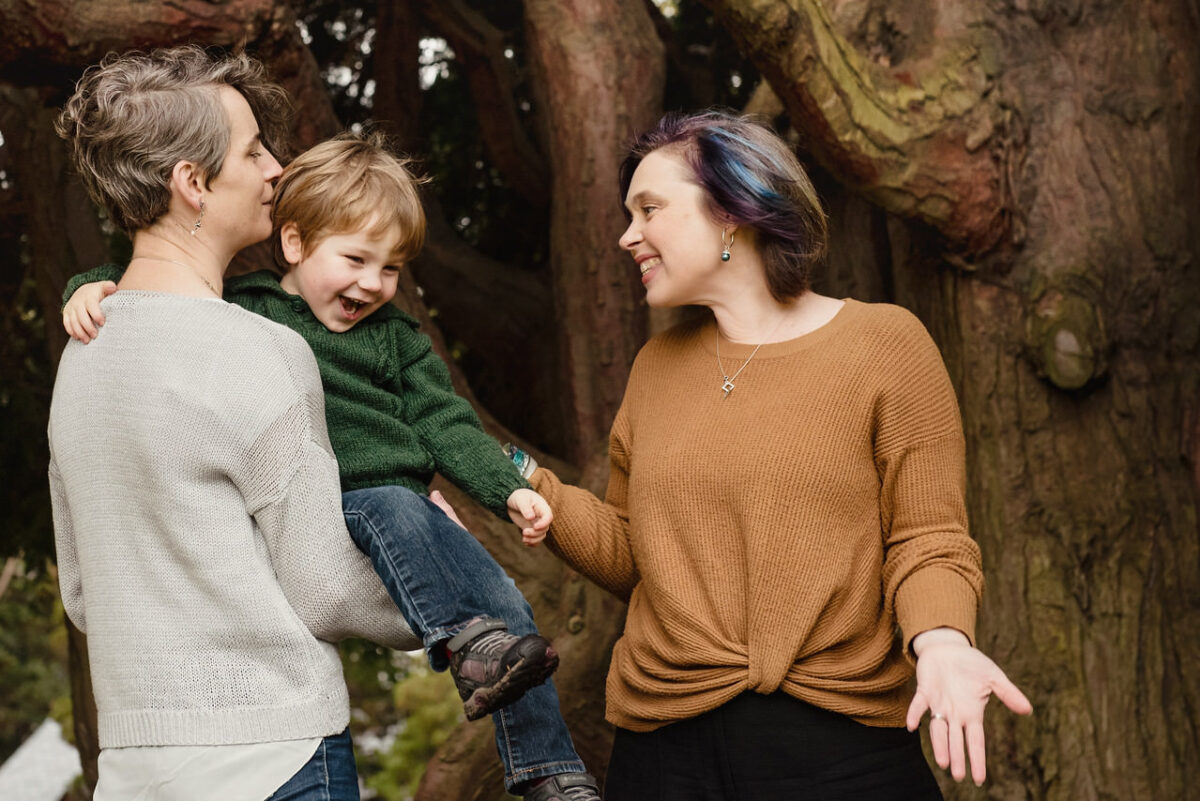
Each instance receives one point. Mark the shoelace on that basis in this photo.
(491, 642)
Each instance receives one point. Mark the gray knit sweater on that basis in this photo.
(198, 522)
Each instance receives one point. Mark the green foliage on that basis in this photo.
(402, 712)
(431, 709)
(33, 656)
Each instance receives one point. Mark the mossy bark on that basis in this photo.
(1074, 343)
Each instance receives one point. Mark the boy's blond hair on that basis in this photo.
(347, 184)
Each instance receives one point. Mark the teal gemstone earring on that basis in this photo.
(728, 245)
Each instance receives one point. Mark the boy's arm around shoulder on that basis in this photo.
(289, 479)
(451, 431)
(105, 272)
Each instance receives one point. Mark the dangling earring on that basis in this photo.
(728, 245)
(200, 219)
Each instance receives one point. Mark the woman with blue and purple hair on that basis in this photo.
(786, 492)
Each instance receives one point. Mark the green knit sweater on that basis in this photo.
(392, 413)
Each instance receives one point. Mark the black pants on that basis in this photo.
(769, 748)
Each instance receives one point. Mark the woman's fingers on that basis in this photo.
(939, 738)
(977, 752)
(916, 710)
(958, 755)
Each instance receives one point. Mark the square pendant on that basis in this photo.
(727, 386)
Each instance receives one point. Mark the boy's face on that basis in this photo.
(345, 278)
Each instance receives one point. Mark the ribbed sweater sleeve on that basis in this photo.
(931, 570)
(591, 535)
(290, 481)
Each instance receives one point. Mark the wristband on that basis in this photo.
(525, 463)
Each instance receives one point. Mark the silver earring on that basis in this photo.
(200, 219)
(728, 245)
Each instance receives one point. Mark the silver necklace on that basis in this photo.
(197, 273)
(727, 380)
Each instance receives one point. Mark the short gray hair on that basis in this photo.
(135, 115)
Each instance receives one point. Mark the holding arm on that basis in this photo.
(591, 535)
(289, 479)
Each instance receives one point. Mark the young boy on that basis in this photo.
(347, 217)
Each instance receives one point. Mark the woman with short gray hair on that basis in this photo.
(197, 508)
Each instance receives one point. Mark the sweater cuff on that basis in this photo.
(934, 597)
(545, 483)
(507, 487)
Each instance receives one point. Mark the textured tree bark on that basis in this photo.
(1074, 348)
(911, 137)
(599, 69)
(54, 38)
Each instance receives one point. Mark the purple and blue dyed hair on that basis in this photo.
(751, 178)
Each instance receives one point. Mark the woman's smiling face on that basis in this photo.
(672, 234)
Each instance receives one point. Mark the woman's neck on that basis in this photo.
(165, 260)
(757, 318)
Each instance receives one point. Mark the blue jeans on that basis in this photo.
(329, 776)
(441, 577)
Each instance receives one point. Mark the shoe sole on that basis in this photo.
(525, 674)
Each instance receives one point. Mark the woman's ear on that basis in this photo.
(291, 243)
(188, 183)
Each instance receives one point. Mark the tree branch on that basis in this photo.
(44, 41)
(479, 47)
(914, 145)
(394, 65)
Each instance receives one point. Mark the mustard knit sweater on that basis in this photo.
(775, 538)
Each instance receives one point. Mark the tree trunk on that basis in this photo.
(600, 71)
(1074, 346)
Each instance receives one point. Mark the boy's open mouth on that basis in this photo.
(350, 306)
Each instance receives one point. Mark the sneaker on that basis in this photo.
(565, 787)
(492, 668)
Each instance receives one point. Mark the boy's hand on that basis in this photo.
(532, 514)
(82, 316)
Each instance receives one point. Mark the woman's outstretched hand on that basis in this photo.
(954, 682)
